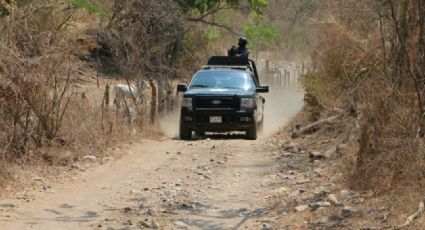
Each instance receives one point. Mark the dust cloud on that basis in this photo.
(169, 123)
(284, 101)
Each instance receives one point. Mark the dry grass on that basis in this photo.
(365, 69)
(372, 70)
(52, 105)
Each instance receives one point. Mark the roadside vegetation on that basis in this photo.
(368, 76)
(370, 61)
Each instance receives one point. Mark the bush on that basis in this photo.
(39, 105)
(35, 78)
(377, 75)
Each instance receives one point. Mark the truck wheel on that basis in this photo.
(199, 133)
(251, 133)
(185, 133)
(261, 126)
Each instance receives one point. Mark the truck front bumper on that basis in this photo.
(231, 120)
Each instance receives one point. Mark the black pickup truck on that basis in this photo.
(223, 96)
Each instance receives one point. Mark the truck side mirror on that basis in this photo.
(181, 87)
(263, 89)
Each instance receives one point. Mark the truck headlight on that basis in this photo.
(187, 103)
(247, 103)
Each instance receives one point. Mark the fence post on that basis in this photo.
(153, 101)
(267, 66)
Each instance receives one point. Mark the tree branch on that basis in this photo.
(202, 19)
(213, 11)
(226, 27)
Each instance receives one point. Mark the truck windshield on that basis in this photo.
(223, 80)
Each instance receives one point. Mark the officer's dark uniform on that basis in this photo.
(241, 50)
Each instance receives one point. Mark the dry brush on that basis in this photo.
(370, 58)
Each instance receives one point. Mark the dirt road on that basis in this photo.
(204, 184)
(218, 182)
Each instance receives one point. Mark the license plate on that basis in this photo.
(215, 119)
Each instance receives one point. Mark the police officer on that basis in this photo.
(240, 51)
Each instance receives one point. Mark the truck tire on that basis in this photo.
(185, 133)
(251, 133)
(199, 133)
(261, 126)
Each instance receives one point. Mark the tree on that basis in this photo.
(206, 6)
(201, 11)
(261, 35)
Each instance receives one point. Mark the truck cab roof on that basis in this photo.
(232, 63)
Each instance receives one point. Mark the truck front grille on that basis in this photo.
(219, 102)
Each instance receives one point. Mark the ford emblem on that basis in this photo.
(216, 102)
